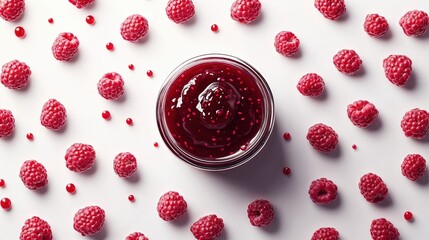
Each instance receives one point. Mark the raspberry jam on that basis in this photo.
(215, 112)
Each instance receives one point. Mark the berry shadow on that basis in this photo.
(183, 220)
(61, 130)
(424, 140)
(24, 89)
(375, 126)
(91, 6)
(336, 204)
(121, 99)
(322, 97)
(297, 55)
(360, 73)
(135, 178)
(424, 181)
(190, 22)
(102, 234)
(335, 154)
(42, 191)
(387, 202)
(258, 20)
(224, 234)
(91, 171)
(10, 137)
(343, 17)
(274, 226)
(424, 36)
(387, 36)
(412, 82)
(74, 58)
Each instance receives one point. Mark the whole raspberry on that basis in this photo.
(260, 213)
(326, 233)
(125, 164)
(65, 46)
(311, 84)
(54, 115)
(245, 11)
(413, 167)
(171, 205)
(180, 11)
(35, 228)
(15, 74)
(382, 229)
(414, 23)
(322, 137)
(322, 191)
(111, 86)
(136, 236)
(80, 157)
(362, 113)
(286, 43)
(33, 174)
(81, 3)
(11, 10)
(372, 188)
(207, 228)
(347, 61)
(331, 9)
(415, 123)
(375, 25)
(7, 123)
(134, 28)
(89, 220)
(397, 69)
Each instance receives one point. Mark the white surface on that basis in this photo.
(227, 194)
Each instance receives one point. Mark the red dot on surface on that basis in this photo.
(50, 20)
(30, 136)
(90, 19)
(131, 67)
(149, 73)
(131, 198)
(71, 188)
(155, 144)
(110, 46)
(287, 136)
(214, 28)
(20, 32)
(129, 121)
(2, 183)
(106, 115)
(354, 146)
(5, 203)
(287, 171)
(408, 215)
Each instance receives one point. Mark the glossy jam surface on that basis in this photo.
(214, 109)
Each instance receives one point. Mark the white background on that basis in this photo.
(381, 148)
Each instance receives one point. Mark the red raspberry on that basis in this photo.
(80, 157)
(54, 115)
(33, 174)
(15, 74)
(180, 11)
(414, 23)
(382, 229)
(125, 164)
(322, 137)
(65, 46)
(326, 233)
(260, 213)
(331, 9)
(362, 113)
(134, 28)
(171, 205)
(7, 123)
(81, 3)
(89, 220)
(35, 228)
(245, 11)
(415, 123)
(413, 167)
(375, 25)
(347, 61)
(311, 84)
(372, 188)
(136, 236)
(207, 228)
(397, 69)
(11, 10)
(286, 43)
(322, 191)
(111, 86)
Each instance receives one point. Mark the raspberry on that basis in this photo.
(7, 123)
(362, 113)
(125, 164)
(80, 157)
(414, 23)
(260, 213)
(111, 86)
(413, 167)
(89, 220)
(136, 236)
(375, 25)
(397, 69)
(372, 188)
(180, 11)
(207, 228)
(35, 228)
(171, 205)
(245, 11)
(322, 191)
(347, 61)
(15, 74)
(134, 28)
(326, 233)
(65, 46)
(331, 9)
(382, 229)
(33, 174)
(54, 115)
(286, 43)
(311, 84)
(415, 123)
(322, 137)
(11, 10)
(81, 3)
